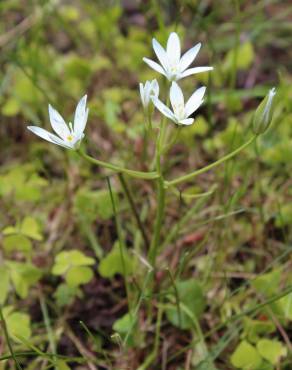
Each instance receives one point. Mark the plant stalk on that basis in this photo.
(210, 166)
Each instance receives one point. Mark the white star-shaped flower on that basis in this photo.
(181, 112)
(172, 65)
(68, 136)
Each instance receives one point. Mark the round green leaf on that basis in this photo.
(246, 357)
(271, 350)
(78, 275)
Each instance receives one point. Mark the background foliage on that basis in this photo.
(222, 297)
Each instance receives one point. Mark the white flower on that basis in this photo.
(181, 111)
(67, 136)
(173, 66)
(148, 91)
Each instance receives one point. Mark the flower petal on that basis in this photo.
(154, 88)
(141, 88)
(186, 121)
(160, 53)
(154, 66)
(189, 57)
(195, 101)
(173, 47)
(195, 70)
(176, 96)
(58, 141)
(163, 109)
(44, 134)
(58, 123)
(80, 118)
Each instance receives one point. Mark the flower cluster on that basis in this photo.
(174, 67)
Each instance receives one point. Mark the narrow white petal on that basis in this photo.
(195, 101)
(154, 66)
(176, 97)
(141, 87)
(58, 123)
(163, 109)
(195, 70)
(155, 88)
(44, 134)
(81, 114)
(173, 47)
(160, 53)
(147, 92)
(189, 57)
(186, 121)
(56, 140)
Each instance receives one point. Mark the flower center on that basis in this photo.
(179, 111)
(70, 138)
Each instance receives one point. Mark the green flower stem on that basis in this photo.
(120, 240)
(6, 334)
(153, 355)
(134, 208)
(160, 198)
(48, 326)
(115, 168)
(210, 166)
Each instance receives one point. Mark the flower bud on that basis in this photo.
(264, 114)
(148, 91)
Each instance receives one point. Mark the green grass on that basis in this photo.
(125, 254)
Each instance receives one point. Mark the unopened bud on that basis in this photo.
(264, 114)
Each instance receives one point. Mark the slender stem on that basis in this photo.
(48, 326)
(6, 334)
(153, 355)
(120, 239)
(134, 208)
(210, 166)
(115, 168)
(172, 141)
(160, 198)
(177, 300)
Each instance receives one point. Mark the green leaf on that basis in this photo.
(73, 265)
(65, 294)
(124, 325)
(78, 275)
(94, 204)
(30, 228)
(254, 328)
(116, 263)
(11, 107)
(67, 259)
(17, 242)
(268, 284)
(4, 283)
(243, 56)
(18, 323)
(23, 276)
(246, 357)
(271, 350)
(191, 297)
(285, 305)
(62, 365)
(284, 217)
